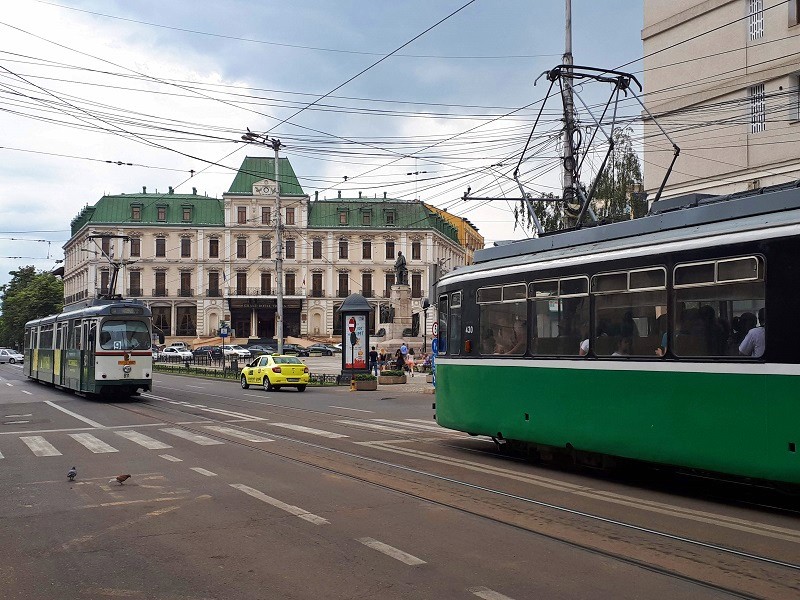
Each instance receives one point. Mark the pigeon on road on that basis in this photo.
(120, 479)
(72, 473)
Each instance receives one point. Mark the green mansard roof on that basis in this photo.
(256, 168)
(117, 210)
(324, 214)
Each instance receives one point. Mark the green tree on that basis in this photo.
(618, 194)
(29, 295)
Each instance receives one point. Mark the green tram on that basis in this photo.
(633, 339)
(102, 349)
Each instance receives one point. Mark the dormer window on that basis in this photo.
(366, 218)
(390, 217)
(136, 212)
(161, 213)
(187, 214)
(342, 216)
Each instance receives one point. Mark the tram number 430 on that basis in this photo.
(468, 329)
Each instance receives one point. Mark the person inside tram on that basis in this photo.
(623, 347)
(519, 337)
(754, 342)
(661, 323)
(583, 350)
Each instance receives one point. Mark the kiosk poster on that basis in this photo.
(356, 332)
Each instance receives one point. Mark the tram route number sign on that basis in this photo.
(435, 328)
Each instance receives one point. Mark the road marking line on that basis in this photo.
(375, 426)
(199, 387)
(1, 455)
(202, 407)
(294, 510)
(250, 437)
(327, 434)
(9, 384)
(15, 422)
(76, 415)
(170, 458)
(91, 536)
(487, 594)
(26, 392)
(435, 428)
(40, 446)
(92, 443)
(203, 471)
(192, 437)
(143, 440)
(403, 557)
(355, 409)
(17, 416)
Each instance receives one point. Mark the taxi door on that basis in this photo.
(261, 369)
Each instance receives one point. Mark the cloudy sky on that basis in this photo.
(169, 87)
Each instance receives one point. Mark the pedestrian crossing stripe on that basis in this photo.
(92, 443)
(143, 440)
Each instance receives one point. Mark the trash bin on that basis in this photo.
(235, 365)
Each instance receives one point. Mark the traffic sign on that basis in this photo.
(223, 332)
(435, 328)
(434, 346)
(351, 325)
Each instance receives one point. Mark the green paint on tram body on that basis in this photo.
(738, 423)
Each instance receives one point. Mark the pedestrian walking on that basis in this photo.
(373, 361)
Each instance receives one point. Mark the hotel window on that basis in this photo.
(161, 283)
(290, 279)
(290, 249)
(266, 215)
(186, 248)
(136, 284)
(136, 213)
(416, 248)
(390, 217)
(342, 248)
(136, 247)
(213, 248)
(316, 285)
(213, 284)
(366, 285)
(241, 284)
(241, 248)
(161, 213)
(105, 246)
(290, 216)
(187, 213)
(416, 285)
(366, 249)
(389, 283)
(316, 249)
(794, 13)
(104, 278)
(241, 215)
(266, 248)
(161, 246)
(344, 285)
(343, 217)
(266, 284)
(758, 109)
(366, 218)
(755, 19)
(389, 250)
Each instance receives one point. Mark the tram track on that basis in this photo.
(359, 475)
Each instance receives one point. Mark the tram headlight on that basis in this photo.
(126, 369)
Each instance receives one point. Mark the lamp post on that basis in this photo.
(276, 145)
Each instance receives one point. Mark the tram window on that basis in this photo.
(504, 328)
(490, 294)
(454, 344)
(696, 274)
(124, 335)
(561, 316)
(514, 292)
(455, 300)
(28, 339)
(46, 337)
(443, 318)
(713, 319)
(630, 320)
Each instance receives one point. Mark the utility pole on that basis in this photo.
(276, 145)
(569, 182)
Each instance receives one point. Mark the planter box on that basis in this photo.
(366, 386)
(428, 378)
(389, 380)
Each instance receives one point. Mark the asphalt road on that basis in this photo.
(332, 494)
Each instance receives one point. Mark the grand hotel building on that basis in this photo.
(197, 261)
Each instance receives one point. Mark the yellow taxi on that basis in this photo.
(275, 372)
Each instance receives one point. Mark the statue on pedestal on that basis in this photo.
(400, 270)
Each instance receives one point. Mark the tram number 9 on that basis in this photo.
(468, 329)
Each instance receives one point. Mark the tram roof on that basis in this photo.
(687, 221)
(97, 308)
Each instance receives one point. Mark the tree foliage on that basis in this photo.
(29, 295)
(617, 196)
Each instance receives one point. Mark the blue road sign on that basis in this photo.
(435, 345)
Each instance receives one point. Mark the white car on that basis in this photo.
(235, 350)
(10, 356)
(171, 351)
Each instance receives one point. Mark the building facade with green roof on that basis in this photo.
(198, 261)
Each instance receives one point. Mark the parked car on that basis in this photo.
(156, 352)
(321, 348)
(180, 345)
(275, 371)
(235, 351)
(171, 352)
(213, 352)
(7, 355)
(258, 349)
(294, 349)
